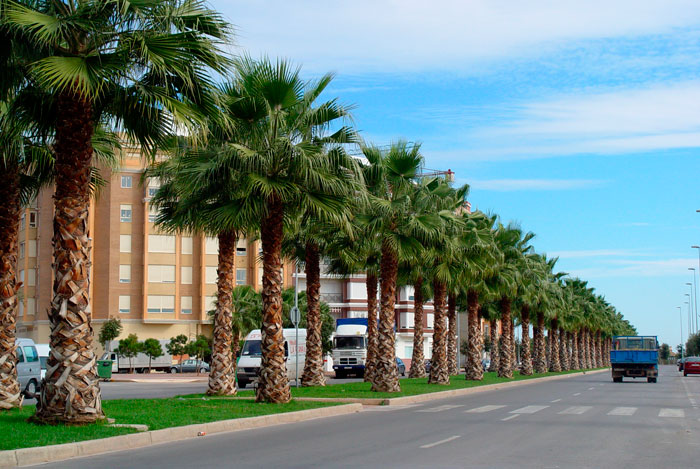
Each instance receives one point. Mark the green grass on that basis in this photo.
(409, 387)
(18, 432)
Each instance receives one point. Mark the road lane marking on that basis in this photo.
(591, 389)
(486, 408)
(446, 440)
(387, 408)
(673, 413)
(440, 408)
(531, 409)
(577, 394)
(623, 411)
(556, 400)
(508, 418)
(576, 410)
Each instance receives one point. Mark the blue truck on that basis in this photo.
(635, 357)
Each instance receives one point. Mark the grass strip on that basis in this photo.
(18, 432)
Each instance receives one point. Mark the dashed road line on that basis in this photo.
(623, 411)
(509, 418)
(482, 409)
(673, 413)
(446, 440)
(531, 409)
(577, 394)
(441, 408)
(591, 389)
(576, 410)
(556, 400)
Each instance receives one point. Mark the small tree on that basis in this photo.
(198, 348)
(129, 348)
(153, 349)
(110, 331)
(177, 346)
(664, 351)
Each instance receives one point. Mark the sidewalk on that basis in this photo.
(159, 377)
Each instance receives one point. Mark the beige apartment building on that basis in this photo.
(159, 285)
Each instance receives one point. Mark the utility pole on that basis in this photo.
(680, 316)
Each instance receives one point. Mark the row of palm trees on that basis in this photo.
(257, 155)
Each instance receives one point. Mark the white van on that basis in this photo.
(251, 354)
(43, 350)
(28, 367)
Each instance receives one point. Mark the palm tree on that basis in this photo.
(413, 272)
(490, 312)
(138, 67)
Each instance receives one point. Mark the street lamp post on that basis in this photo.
(696, 290)
(680, 316)
(689, 324)
(692, 313)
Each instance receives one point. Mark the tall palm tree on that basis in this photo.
(138, 67)
(289, 176)
(413, 272)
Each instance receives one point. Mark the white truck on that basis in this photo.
(139, 363)
(251, 355)
(350, 347)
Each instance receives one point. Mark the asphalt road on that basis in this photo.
(585, 421)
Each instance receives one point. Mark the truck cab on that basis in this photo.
(635, 357)
(350, 347)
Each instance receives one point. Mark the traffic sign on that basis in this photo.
(295, 315)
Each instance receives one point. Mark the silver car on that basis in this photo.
(28, 367)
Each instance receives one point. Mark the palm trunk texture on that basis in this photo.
(525, 356)
(575, 364)
(70, 392)
(385, 377)
(505, 369)
(563, 350)
(474, 369)
(313, 365)
(581, 349)
(493, 336)
(10, 396)
(273, 384)
(589, 349)
(371, 286)
(417, 359)
(540, 352)
(452, 348)
(439, 374)
(555, 364)
(222, 381)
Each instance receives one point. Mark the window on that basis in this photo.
(186, 305)
(161, 243)
(126, 182)
(125, 273)
(125, 213)
(31, 306)
(152, 214)
(408, 351)
(31, 354)
(32, 219)
(210, 275)
(161, 304)
(21, 250)
(161, 273)
(153, 186)
(186, 245)
(211, 246)
(20, 355)
(209, 303)
(21, 275)
(124, 243)
(22, 221)
(186, 275)
(242, 247)
(21, 308)
(31, 277)
(240, 276)
(31, 248)
(124, 304)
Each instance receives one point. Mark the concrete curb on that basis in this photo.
(53, 453)
(478, 389)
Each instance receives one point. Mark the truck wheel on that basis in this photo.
(173, 370)
(30, 390)
(339, 374)
(617, 379)
(242, 383)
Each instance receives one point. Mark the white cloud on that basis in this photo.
(507, 185)
(637, 268)
(400, 35)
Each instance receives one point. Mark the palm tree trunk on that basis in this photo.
(385, 377)
(235, 346)
(313, 365)
(505, 369)
(525, 357)
(563, 350)
(582, 349)
(493, 333)
(439, 374)
(554, 364)
(475, 371)
(540, 352)
(548, 349)
(10, 396)
(586, 349)
(222, 381)
(599, 343)
(417, 359)
(273, 384)
(452, 349)
(574, 350)
(371, 287)
(71, 393)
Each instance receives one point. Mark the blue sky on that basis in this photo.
(580, 120)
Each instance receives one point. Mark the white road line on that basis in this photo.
(486, 408)
(576, 410)
(556, 400)
(440, 408)
(673, 413)
(591, 389)
(531, 409)
(508, 418)
(577, 394)
(446, 440)
(623, 411)
(387, 408)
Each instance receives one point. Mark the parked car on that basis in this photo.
(43, 350)
(28, 367)
(680, 364)
(691, 366)
(427, 365)
(486, 363)
(400, 366)
(190, 366)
